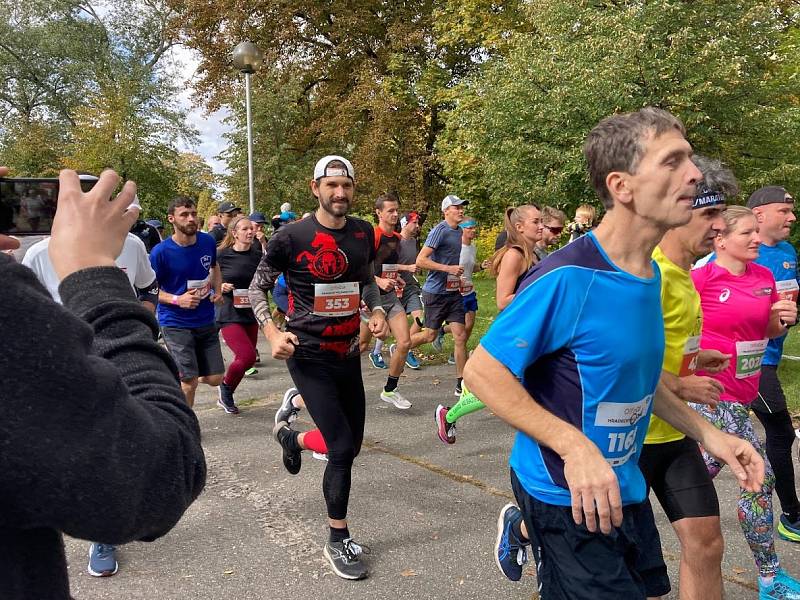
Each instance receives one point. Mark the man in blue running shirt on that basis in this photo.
(574, 365)
(773, 207)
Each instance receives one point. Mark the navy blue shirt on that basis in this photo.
(177, 269)
(587, 341)
(446, 244)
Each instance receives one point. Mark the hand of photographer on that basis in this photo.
(89, 229)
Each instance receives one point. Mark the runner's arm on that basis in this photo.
(743, 459)
(262, 283)
(424, 262)
(592, 482)
(510, 268)
(370, 292)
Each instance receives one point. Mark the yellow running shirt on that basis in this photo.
(680, 304)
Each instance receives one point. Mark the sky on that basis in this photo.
(210, 126)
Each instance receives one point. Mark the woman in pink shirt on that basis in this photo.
(741, 310)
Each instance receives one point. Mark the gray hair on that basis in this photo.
(716, 177)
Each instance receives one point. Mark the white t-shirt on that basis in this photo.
(133, 260)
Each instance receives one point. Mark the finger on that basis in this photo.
(68, 182)
(3, 171)
(130, 216)
(577, 507)
(716, 385)
(6, 241)
(126, 197)
(615, 501)
(603, 513)
(105, 186)
(293, 338)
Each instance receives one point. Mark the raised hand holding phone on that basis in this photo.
(88, 229)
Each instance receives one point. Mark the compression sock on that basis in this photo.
(467, 403)
(391, 384)
(378, 347)
(314, 441)
(339, 535)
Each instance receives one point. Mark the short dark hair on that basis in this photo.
(387, 197)
(616, 144)
(180, 202)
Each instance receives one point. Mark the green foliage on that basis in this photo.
(724, 67)
(87, 86)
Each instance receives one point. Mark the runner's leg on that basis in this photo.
(239, 339)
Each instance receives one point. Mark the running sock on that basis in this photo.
(288, 438)
(460, 381)
(378, 347)
(467, 403)
(314, 441)
(766, 581)
(339, 535)
(391, 384)
(516, 529)
(294, 401)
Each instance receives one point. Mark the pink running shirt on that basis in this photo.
(736, 313)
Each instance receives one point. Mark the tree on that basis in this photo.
(369, 79)
(518, 128)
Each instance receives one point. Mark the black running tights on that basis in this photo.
(780, 437)
(334, 396)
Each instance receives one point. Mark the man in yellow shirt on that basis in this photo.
(671, 463)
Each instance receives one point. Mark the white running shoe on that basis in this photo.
(396, 399)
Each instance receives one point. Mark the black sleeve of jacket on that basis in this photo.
(96, 439)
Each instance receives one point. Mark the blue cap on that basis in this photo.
(155, 223)
(258, 217)
(288, 216)
(468, 223)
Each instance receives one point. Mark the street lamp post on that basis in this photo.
(248, 58)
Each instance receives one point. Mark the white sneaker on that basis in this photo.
(396, 399)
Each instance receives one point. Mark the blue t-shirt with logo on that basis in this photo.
(180, 267)
(781, 259)
(446, 244)
(587, 341)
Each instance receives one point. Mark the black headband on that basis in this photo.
(708, 198)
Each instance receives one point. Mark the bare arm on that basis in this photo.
(510, 270)
(743, 459)
(424, 262)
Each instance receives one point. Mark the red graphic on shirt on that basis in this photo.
(329, 262)
(347, 328)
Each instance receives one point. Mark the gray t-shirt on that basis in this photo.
(469, 254)
(446, 244)
(408, 256)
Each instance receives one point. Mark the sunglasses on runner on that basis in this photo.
(555, 230)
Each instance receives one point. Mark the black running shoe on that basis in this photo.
(225, 401)
(345, 559)
(292, 459)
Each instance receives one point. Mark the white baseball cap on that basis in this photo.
(452, 200)
(323, 170)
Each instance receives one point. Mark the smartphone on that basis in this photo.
(28, 204)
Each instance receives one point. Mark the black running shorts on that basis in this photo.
(196, 351)
(573, 563)
(679, 477)
(443, 308)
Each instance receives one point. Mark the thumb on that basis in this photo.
(292, 338)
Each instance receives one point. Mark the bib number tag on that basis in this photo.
(241, 299)
(788, 289)
(748, 358)
(336, 299)
(389, 271)
(453, 283)
(690, 351)
(466, 287)
(202, 287)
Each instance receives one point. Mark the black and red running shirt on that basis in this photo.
(326, 271)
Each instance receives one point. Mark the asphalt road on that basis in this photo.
(427, 511)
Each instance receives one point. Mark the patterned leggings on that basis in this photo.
(755, 510)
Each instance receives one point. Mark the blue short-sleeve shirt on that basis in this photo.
(587, 341)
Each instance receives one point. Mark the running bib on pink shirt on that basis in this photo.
(748, 357)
